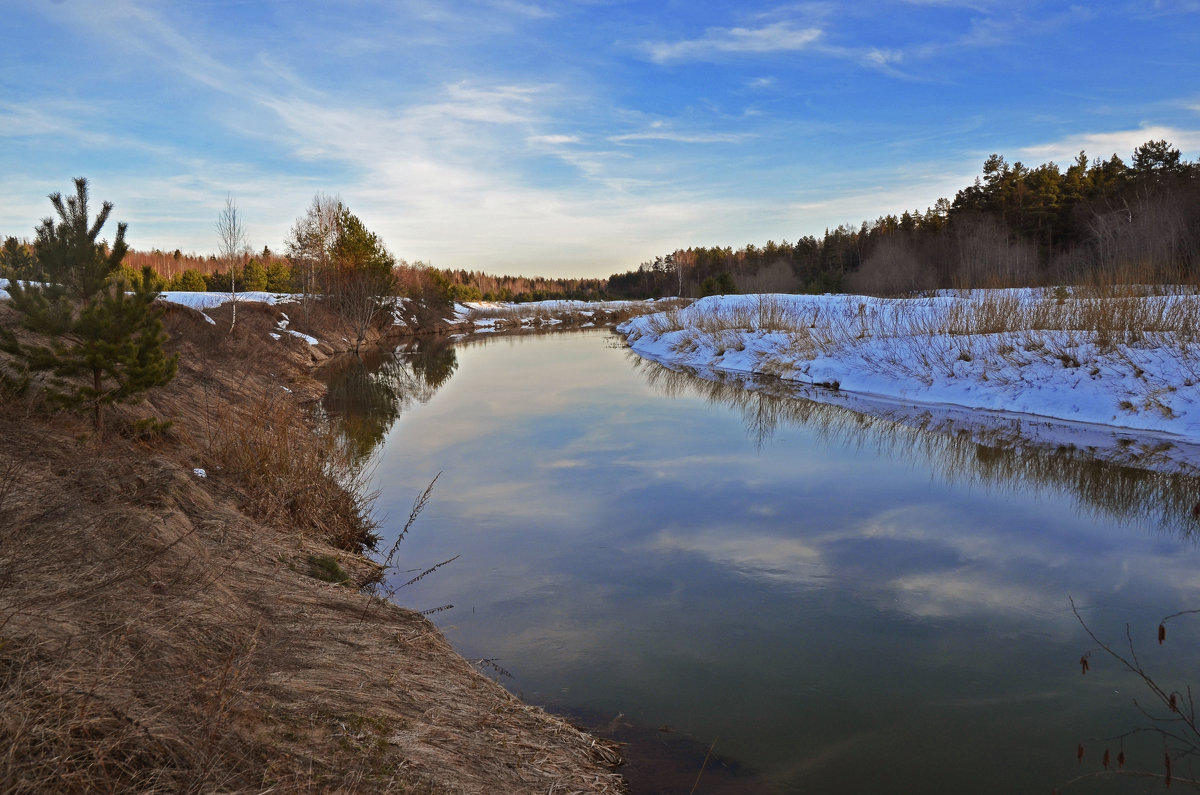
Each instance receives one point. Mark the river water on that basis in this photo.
(829, 603)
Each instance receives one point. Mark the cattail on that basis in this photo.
(1079, 753)
(1105, 761)
(1083, 663)
(1172, 703)
(1120, 760)
(1162, 633)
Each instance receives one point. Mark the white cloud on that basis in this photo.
(553, 140)
(777, 37)
(881, 58)
(1105, 144)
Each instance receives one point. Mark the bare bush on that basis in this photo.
(988, 256)
(892, 268)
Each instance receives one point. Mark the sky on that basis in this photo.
(568, 138)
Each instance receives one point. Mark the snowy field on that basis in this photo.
(1114, 375)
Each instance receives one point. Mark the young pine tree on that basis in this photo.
(103, 344)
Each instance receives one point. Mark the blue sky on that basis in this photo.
(567, 137)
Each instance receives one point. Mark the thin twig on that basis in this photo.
(704, 765)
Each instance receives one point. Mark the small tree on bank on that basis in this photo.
(360, 279)
(103, 344)
(310, 242)
(334, 254)
(232, 236)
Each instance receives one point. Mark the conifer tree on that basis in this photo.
(103, 345)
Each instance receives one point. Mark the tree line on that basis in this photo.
(1015, 225)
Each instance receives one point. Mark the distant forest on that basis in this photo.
(1101, 220)
(1098, 220)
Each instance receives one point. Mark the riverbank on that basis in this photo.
(1114, 373)
(181, 608)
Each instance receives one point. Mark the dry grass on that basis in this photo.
(293, 470)
(161, 632)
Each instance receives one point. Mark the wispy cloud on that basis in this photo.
(777, 37)
(531, 10)
(659, 132)
(973, 6)
(54, 119)
(553, 140)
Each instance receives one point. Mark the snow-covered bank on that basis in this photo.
(1116, 374)
(470, 317)
(492, 316)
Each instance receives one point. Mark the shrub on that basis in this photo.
(190, 280)
(279, 278)
(254, 277)
(326, 569)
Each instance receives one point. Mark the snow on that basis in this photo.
(894, 358)
(489, 316)
(305, 337)
(553, 305)
(202, 301)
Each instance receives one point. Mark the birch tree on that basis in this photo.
(232, 238)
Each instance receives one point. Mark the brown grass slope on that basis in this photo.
(162, 632)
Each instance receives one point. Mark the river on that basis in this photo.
(828, 602)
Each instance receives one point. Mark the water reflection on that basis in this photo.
(368, 392)
(1162, 499)
(849, 604)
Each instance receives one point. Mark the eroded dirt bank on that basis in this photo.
(166, 631)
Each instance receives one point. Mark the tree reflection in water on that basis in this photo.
(366, 393)
(997, 460)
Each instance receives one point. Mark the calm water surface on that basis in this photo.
(840, 604)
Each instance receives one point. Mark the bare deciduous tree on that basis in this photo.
(232, 237)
